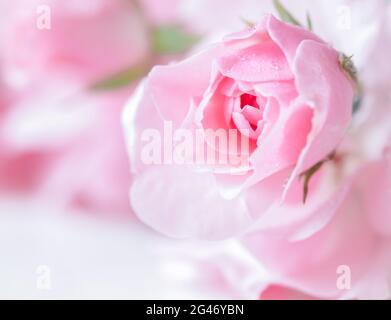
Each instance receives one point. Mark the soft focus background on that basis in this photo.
(66, 70)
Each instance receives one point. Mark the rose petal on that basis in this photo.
(171, 94)
(165, 197)
(262, 62)
(331, 97)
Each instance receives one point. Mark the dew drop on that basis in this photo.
(275, 65)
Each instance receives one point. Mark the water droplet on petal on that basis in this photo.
(275, 65)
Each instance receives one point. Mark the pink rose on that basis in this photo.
(278, 87)
(161, 12)
(86, 41)
(338, 244)
(279, 292)
(341, 253)
(59, 139)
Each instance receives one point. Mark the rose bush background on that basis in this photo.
(64, 172)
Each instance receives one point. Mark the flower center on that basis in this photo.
(248, 100)
(247, 115)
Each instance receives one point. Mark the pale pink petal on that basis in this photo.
(288, 37)
(331, 98)
(252, 114)
(182, 203)
(139, 116)
(174, 86)
(273, 153)
(285, 92)
(261, 62)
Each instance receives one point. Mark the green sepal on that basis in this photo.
(284, 14)
(171, 40)
(120, 79)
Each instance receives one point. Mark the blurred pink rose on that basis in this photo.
(86, 40)
(354, 242)
(279, 292)
(162, 12)
(279, 86)
(59, 139)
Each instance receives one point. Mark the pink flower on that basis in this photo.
(59, 139)
(344, 231)
(161, 13)
(86, 41)
(279, 87)
(279, 292)
(347, 257)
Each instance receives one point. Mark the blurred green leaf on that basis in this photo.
(284, 14)
(171, 40)
(357, 102)
(309, 22)
(120, 79)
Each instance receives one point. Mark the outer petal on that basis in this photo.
(331, 97)
(288, 37)
(295, 220)
(182, 203)
(174, 86)
(139, 114)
